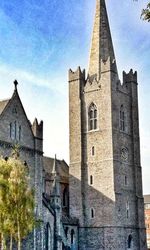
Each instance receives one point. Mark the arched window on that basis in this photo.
(122, 118)
(48, 237)
(92, 117)
(129, 241)
(72, 237)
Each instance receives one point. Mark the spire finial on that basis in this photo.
(56, 182)
(54, 171)
(15, 83)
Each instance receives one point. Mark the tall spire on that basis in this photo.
(102, 52)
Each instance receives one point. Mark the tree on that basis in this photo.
(5, 170)
(146, 13)
(16, 201)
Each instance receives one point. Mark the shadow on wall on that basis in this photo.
(103, 223)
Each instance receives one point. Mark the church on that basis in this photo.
(95, 203)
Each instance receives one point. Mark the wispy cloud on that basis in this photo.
(8, 74)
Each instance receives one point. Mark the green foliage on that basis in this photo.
(17, 217)
(146, 13)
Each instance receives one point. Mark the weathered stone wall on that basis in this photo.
(30, 151)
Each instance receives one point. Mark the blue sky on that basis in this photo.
(39, 42)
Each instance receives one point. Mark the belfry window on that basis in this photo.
(122, 118)
(92, 117)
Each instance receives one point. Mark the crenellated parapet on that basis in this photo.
(130, 77)
(76, 75)
(37, 129)
(92, 84)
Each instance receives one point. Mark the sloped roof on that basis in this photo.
(147, 198)
(62, 168)
(3, 104)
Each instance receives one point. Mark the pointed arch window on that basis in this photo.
(92, 117)
(122, 118)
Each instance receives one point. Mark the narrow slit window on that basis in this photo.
(122, 118)
(10, 130)
(92, 213)
(15, 125)
(72, 236)
(127, 209)
(126, 181)
(93, 150)
(19, 133)
(91, 179)
(129, 241)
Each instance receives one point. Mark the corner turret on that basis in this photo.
(37, 129)
(76, 75)
(130, 77)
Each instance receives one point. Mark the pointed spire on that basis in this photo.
(54, 170)
(56, 182)
(102, 51)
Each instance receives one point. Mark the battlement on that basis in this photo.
(130, 77)
(76, 75)
(37, 128)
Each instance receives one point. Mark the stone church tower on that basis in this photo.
(105, 170)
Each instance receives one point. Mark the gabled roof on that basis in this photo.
(62, 168)
(3, 104)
